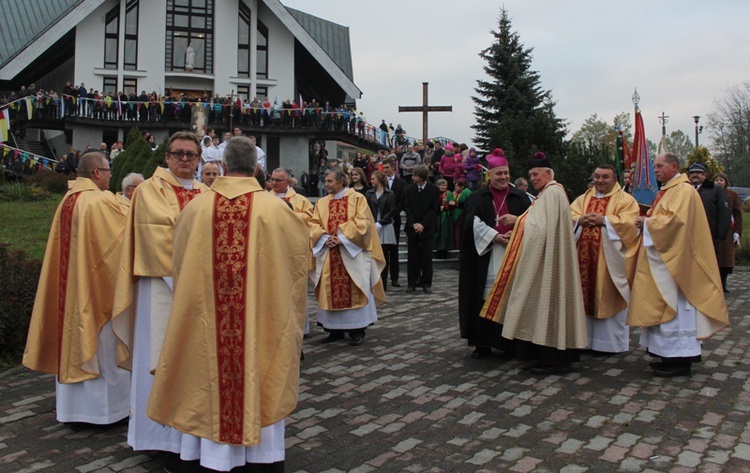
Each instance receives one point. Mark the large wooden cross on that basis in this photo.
(425, 108)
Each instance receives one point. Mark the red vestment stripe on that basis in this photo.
(341, 282)
(184, 196)
(588, 254)
(231, 230)
(66, 229)
(509, 262)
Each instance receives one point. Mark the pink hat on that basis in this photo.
(449, 146)
(496, 159)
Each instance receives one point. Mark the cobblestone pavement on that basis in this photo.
(412, 399)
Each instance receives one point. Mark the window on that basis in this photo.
(131, 36)
(243, 42)
(243, 92)
(130, 86)
(190, 35)
(111, 37)
(261, 93)
(262, 48)
(110, 85)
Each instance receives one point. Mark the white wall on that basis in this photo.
(280, 56)
(294, 152)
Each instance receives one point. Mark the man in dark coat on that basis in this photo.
(398, 187)
(714, 201)
(489, 215)
(422, 203)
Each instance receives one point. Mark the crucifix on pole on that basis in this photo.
(425, 108)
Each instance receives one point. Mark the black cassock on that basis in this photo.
(473, 269)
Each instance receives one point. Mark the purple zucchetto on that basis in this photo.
(496, 159)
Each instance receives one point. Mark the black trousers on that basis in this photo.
(419, 261)
(391, 255)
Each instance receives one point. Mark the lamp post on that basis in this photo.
(698, 129)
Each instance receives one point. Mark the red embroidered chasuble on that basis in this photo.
(66, 228)
(589, 244)
(231, 229)
(341, 282)
(184, 196)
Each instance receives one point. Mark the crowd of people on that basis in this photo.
(222, 266)
(221, 111)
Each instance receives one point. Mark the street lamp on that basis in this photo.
(698, 129)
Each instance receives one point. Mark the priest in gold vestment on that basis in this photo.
(240, 285)
(604, 219)
(143, 295)
(348, 261)
(281, 185)
(70, 333)
(537, 291)
(677, 296)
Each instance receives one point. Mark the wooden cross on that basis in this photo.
(425, 108)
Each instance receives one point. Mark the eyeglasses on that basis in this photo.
(104, 169)
(182, 154)
(277, 180)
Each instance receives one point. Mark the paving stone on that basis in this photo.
(412, 399)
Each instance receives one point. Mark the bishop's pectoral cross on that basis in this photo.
(497, 220)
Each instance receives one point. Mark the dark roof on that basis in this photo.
(23, 21)
(332, 37)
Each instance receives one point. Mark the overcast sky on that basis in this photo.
(592, 54)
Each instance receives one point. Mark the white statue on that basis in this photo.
(189, 57)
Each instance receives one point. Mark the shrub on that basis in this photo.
(54, 182)
(19, 192)
(18, 282)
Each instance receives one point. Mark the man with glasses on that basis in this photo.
(143, 296)
(70, 333)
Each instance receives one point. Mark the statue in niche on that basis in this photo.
(189, 58)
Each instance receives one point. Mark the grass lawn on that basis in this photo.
(25, 225)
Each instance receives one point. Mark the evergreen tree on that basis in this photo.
(511, 109)
(134, 158)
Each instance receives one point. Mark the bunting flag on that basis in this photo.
(29, 107)
(4, 124)
(644, 183)
(25, 156)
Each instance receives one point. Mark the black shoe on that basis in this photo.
(357, 340)
(656, 364)
(411, 289)
(395, 284)
(333, 337)
(672, 370)
(551, 369)
(481, 352)
(427, 290)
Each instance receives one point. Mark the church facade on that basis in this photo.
(238, 48)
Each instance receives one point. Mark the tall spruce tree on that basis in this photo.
(512, 110)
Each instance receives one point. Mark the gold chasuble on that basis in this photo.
(601, 297)
(230, 360)
(301, 206)
(124, 202)
(680, 233)
(339, 279)
(76, 286)
(537, 292)
(147, 246)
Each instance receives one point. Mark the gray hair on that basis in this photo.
(285, 171)
(241, 156)
(521, 181)
(90, 160)
(128, 180)
(671, 158)
(338, 174)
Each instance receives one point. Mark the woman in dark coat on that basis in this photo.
(726, 246)
(382, 202)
